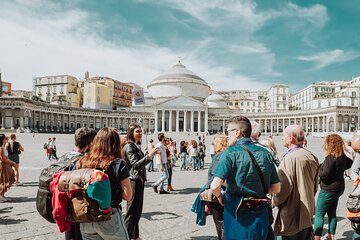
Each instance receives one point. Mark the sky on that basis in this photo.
(231, 44)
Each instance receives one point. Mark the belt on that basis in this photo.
(249, 203)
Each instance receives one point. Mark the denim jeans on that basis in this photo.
(163, 176)
(183, 161)
(113, 229)
(195, 163)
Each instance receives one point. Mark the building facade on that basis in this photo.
(58, 90)
(122, 95)
(181, 101)
(98, 93)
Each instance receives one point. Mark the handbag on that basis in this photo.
(271, 217)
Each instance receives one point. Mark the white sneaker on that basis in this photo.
(19, 184)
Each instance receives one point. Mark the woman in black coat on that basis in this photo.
(136, 161)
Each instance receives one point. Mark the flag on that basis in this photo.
(138, 95)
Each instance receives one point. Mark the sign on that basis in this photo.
(138, 95)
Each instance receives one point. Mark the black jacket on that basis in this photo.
(136, 161)
(332, 173)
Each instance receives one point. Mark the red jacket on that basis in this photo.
(60, 202)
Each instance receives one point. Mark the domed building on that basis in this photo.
(179, 101)
(179, 81)
(215, 100)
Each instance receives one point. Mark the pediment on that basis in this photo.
(181, 101)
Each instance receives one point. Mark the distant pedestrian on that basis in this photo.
(52, 149)
(7, 174)
(332, 184)
(14, 149)
(162, 160)
(194, 155)
(183, 154)
(46, 147)
(150, 146)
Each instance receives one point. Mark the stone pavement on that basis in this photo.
(164, 216)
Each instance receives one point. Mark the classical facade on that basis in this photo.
(179, 101)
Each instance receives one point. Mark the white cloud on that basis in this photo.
(324, 59)
(40, 43)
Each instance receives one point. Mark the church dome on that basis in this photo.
(215, 100)
(179, 81)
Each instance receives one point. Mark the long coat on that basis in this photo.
(298, 173)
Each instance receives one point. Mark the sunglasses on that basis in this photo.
(227, 131)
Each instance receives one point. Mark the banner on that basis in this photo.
(138, 95)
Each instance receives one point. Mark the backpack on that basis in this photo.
(44, 196)
(353, 204)
(45, 145)
(89, 194)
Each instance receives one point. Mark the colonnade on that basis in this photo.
(181, 121)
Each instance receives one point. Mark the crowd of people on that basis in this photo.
(245, 180)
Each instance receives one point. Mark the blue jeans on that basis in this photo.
(183, 161)
(170, 174)
(151, 165)
(195, 163)
(163, 176)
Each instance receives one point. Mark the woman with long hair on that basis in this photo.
(217, 210)
(136, 161)
(7, 175)
(194, 155)
(105, 153)
(14, 149)
(332, 184)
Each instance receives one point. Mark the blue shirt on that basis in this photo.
(235, 166)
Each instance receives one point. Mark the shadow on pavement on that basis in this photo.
(188, 190)
(203, 238)
(6, 210)
(9, 221)
(30, 184)
(347, 235)
(21, 199)
(159, 215)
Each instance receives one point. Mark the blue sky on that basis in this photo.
(231, 44)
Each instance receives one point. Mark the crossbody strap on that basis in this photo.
(257, 167)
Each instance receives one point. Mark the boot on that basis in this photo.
(169, 188)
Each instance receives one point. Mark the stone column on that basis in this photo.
(312, 124)
(224, 126)
(162, 120)
(265, 125)
(318, 124)
(177, 121)
(206, 129)
(185, 122)
(170, 121)
(324, 124)
(335, 123)
(199, 121)
(13, 119)
(3, 119)
(192, 121)
(156, 121)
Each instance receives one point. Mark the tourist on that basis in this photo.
(137, 161)
(46, 147)
(298, 172)
(183, 154)
(332, 184)
(83, 138)
(217, 210)
(171, 161)
(52, 149)
(14, 149)
(7, 174)
(162, 160)
(105, 154)
(201, 156)
(194, 155)
(150, 146)
(212, 151)
(270, 144)
(246, 209)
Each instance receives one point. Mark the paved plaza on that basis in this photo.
(164, 216)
